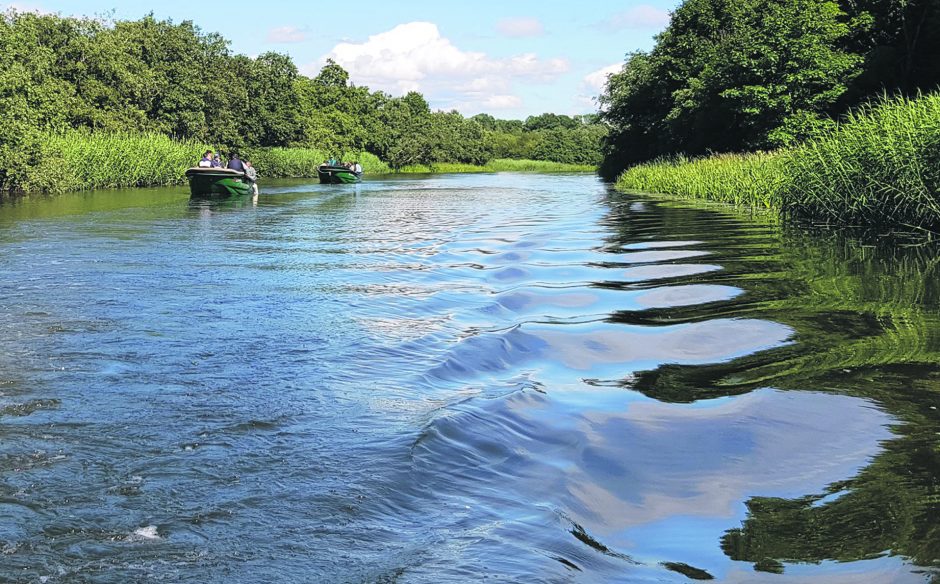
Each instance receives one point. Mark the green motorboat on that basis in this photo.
(218, 182)
(335, 175)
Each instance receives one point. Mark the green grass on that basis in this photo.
(739, 179)
(499, 165)
(80, 160)
(881, 166)
(883, 163)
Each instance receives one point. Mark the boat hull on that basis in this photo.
(218, 182)
(337, 175)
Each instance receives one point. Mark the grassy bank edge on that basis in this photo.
(500, 165)
(881, 166)
(79, 160)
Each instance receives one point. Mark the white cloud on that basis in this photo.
(286, 34)
(641, 16)
(597, 80)
(520, 27)
(503, 102)
(415, 56)
(593, 84)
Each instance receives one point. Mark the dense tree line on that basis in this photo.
(150, 75)
(738, 75)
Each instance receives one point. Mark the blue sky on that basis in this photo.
(509, 58)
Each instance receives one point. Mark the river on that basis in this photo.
(520, 378)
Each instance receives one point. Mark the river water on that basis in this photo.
(518, 378)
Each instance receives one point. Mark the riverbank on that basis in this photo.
(499, 165)
(880, 167)
(77, 160)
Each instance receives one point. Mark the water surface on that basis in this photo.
(516, 377)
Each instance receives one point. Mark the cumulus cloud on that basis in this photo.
(593, 84)
(286, 34)
(597, 80)
(503, 102)
(642, 16)
(416, 57)
(520, 27)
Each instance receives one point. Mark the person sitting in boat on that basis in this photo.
(206, 161)
(216, 162)
(331, 161)
(252, 176)
(356, 167)
(236, 164)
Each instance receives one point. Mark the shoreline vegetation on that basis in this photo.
(98, 102)
(81, 160)
(820, 110)
(880, 166)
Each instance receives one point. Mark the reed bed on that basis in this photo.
(285, 162)
(80, 160)
(880, 166)
(752, 179)
(84, 160)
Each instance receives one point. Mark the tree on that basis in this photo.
(332, 75)
(726, 74)
(61, 73)
(406, 124)
(741, 75)
(550, 122)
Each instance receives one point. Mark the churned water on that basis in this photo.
(517, 378)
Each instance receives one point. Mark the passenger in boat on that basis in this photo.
(236, 164)
(216, 162)
(206, 161)
(252, 175)
(356, 167)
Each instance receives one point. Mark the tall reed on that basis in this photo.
(752, 180)
(85, 160)
(77, 160)
(880, 166)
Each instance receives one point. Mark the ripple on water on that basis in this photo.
(601, 350)
(412, 380)
(664, 271)
(623, 474)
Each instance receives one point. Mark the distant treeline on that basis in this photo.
(744, 75)
(154, 77)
